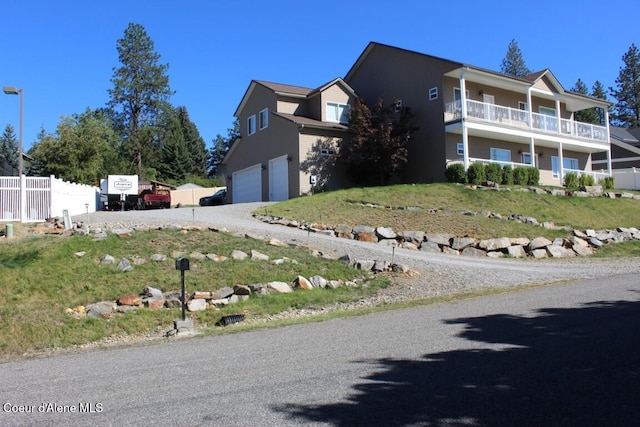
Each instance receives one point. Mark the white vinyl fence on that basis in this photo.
(35, 199)
(626, 179)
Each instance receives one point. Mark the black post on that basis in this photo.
(183, 296)
(182, 264)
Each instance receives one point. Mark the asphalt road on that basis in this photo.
(564, 355)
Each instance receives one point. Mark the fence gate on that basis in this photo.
(33, 204)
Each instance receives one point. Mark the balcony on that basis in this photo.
(521, 119)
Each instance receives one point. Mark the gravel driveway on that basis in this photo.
(439, 273)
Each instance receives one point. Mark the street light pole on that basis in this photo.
(12, 90)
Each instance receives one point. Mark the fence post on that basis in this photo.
(23, 198)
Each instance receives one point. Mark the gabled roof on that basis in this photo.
(290, 90)
(573, 100)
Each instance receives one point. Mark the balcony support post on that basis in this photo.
(532, 150)
(606, 120)
(560, 164)
(465, 132)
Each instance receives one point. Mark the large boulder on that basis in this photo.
(539, 243)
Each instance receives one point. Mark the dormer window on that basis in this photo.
(338, 113)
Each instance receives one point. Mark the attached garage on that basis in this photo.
(247, 184)
(278, 179)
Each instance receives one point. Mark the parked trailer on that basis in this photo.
(119, 192)
(125, 192)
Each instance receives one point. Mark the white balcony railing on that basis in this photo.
(514, 117)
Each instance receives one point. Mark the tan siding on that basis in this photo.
(389, 73)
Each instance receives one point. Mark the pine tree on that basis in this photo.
(8, 152)
(140, 88)
(597, 91)
(195, 144)
(222, 145)
(626, 111)
(513, 64)
(589, 115)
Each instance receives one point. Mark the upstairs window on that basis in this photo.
(263, 119)
(433, 93)
(338, 113)
(251, 125)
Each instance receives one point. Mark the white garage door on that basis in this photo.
(247, 185)
(278, 179)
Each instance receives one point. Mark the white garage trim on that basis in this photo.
(247, 184)
(279, 179)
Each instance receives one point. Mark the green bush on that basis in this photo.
(507, 175)
(493, 172)
(571, 180)
(533, 175)
(606, 182)
(586, 180)
(455, 173)
(520, 175)
(476, 174)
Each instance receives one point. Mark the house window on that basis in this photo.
(457, 94)
(526, 158)
(337, 112)
(433, 93)
(500, 155)
(263, 118)
(523, 106)
(327, 152)
(547, 111)
(460, 148)
(567, 164)
(251, 125)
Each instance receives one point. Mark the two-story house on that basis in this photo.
(286, 131)
(469, 114)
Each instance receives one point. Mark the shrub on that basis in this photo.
(476, 173)
(520, 175)
(571, 180)
(455, 173)
(507, 175)
(606, 182)
(493, 172)
(586, 180)
(533, 175)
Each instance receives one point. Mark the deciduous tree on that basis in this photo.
(377, 148)
(83, 149)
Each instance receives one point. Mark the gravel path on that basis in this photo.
(440, 274)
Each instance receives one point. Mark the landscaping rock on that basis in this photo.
(459, 243)
(474, 252)
(386, 233)
(538, 243)
(101, 309)
(259, 256)
(343, 231)
(439, 238)
(318, 281)
(124, 265)
(516, 251)
(239, 255)
(495, 244)
(430, 247)
(278, 243)
(241, 290)
(158, 257)
(221, 293)
(280, 287)
(197, 305)
(107, 259)
(365, 265)
(302, 283)
(129, 300)
(412, 236)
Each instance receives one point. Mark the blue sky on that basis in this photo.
(62, 53)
